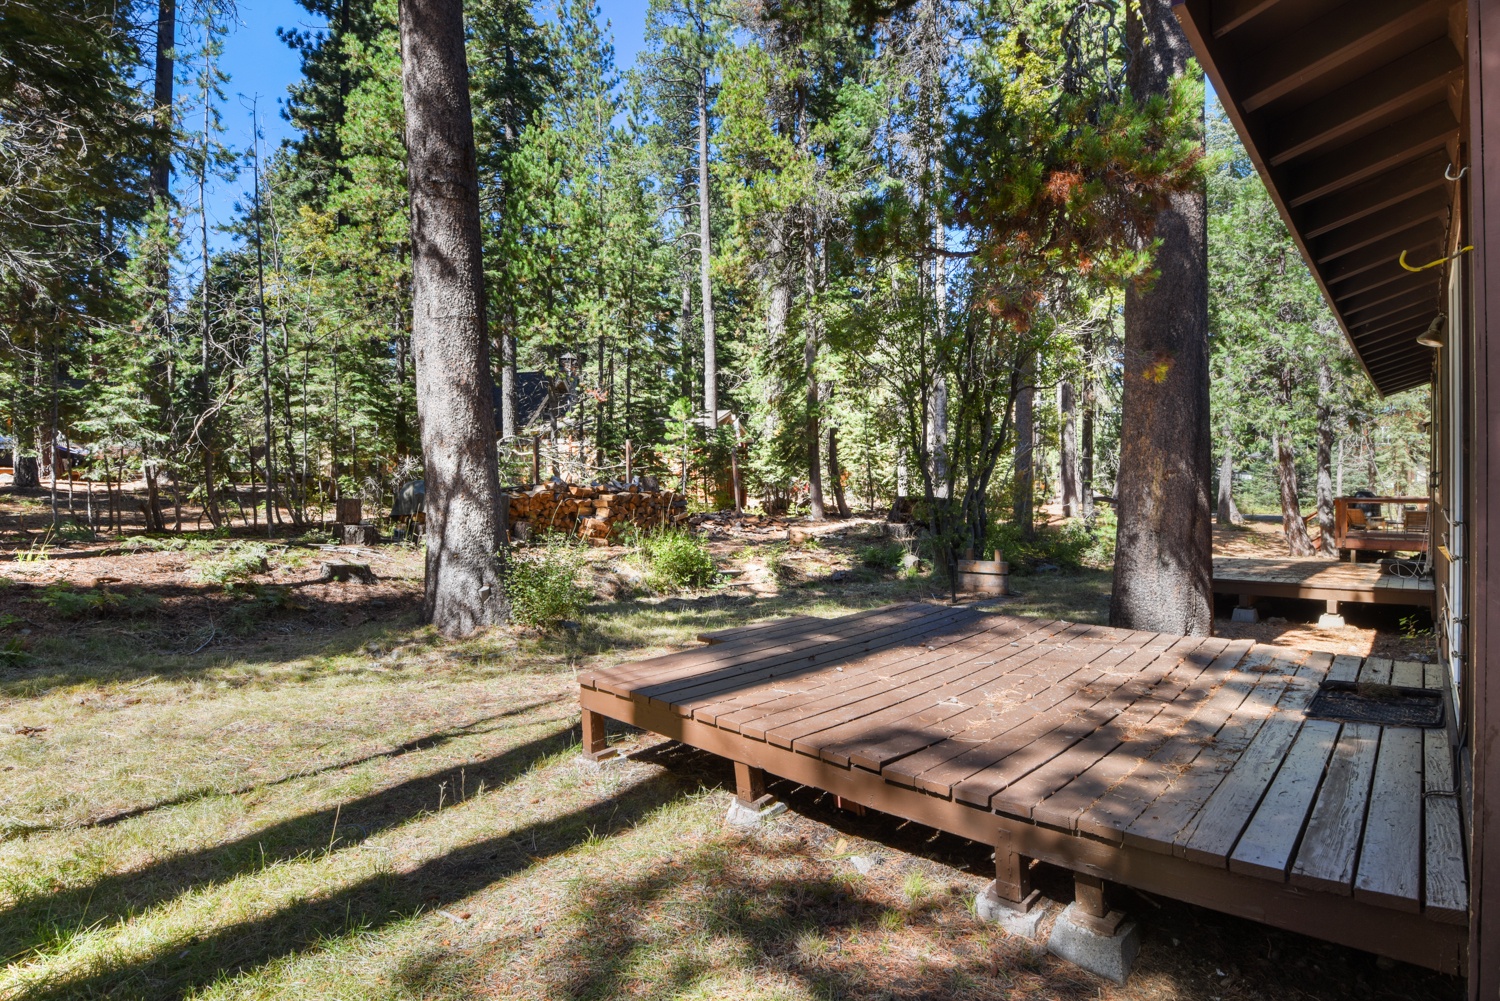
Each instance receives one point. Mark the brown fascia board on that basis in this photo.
(1355, 318)
(1386, 253)
(1430, 128)
(1192, 15)
(1387, 93)
(1384, 278)
(1343, 34)
(1375, 195)
(1429, 205)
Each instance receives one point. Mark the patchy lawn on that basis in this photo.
(292, 790)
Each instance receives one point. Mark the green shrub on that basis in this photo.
(882, 556)
(542, 582)
(234, 565)
(68, 602)
(70, 531)
(1071, 547)
(677, 559)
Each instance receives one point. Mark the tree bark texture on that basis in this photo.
(1025, 482)
(1164, 551)
(1229, 512)
(1067, 453)
(161, 157)
(1325, 461)
(835, 475)
(1292, 525)
(705, 259)
(508, 384)
(816, 510)
(455, 388)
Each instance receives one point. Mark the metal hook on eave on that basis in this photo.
(1432, 264)
(1448, 173)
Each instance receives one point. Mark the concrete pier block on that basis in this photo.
(747, 816)
(1023, 919)
(1110, 956)
(1242, 614)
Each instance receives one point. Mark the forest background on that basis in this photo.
(763, 234)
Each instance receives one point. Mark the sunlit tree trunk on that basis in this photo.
(1229, 512)
(1025, 462)
(455, 388)
(1067, 452)
(1325, 459)
(1292, 525)
(1164, 551)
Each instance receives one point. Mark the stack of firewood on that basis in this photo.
(594, 512)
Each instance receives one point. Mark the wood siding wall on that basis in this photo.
(1484, 512)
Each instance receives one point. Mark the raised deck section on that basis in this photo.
(1181, 766)
(1319, 580)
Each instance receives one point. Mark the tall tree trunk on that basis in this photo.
(205, 384)
(161, 155)
(816, 510)
(455, 388)
(1325, 460)
(1067, 452)
(1164, 551)
(1229, 512)
(705, 258)
(1025, 464)
(265, 338)
(1086, 429)
(835, 476)
(1292, 525)
(508, 426)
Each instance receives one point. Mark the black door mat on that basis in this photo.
(1387, 705)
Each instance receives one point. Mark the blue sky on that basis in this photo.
(260, 65)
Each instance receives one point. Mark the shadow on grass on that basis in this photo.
(181, 968)
(39, 921)
(473, 728)
(775, 912)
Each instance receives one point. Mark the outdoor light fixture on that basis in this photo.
(1432, 337)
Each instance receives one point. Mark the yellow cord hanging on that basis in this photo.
(1433, 264)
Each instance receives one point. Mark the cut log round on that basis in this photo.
(360, 572)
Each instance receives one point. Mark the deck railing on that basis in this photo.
(1382, 524)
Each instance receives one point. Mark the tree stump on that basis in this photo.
(359, 572)
(348, 512)
(358, 535)
(26, 476)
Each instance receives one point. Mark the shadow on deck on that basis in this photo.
(1187, 767)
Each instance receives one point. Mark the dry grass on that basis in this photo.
(327, 801)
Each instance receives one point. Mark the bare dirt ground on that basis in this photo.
(1369, 630)
(227, 779)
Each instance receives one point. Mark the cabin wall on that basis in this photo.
(1482, 528)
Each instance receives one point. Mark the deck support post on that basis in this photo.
(1092, 911)
(1331, 619)
(752, 805)
(595, 743)
(1090, 935)
(749, 785)
(1010, 901)
(1245, 611)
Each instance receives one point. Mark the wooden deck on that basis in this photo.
(1180, 766)
(1319, 579)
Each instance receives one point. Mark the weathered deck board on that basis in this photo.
(1270, 840)
(1330, 844)
(1446, 884)
(1184, 766)
(1390, 860)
